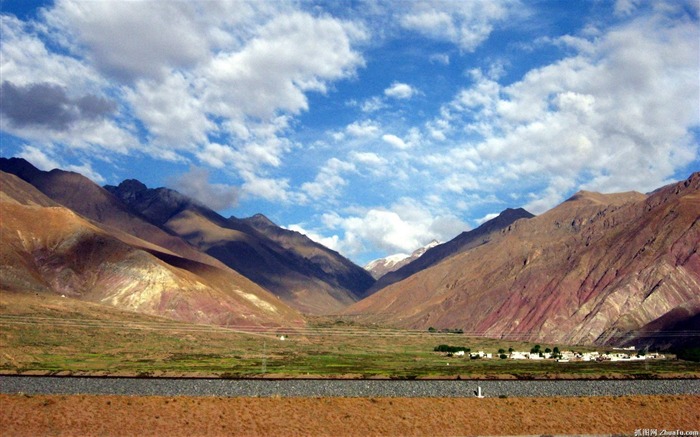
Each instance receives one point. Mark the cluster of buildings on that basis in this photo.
(618, 355)
(627, 354)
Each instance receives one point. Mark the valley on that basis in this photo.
(49, 335)
(129, 280)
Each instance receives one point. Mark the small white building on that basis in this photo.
(517, 355)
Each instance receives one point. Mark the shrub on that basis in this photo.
(503, 356)
(450, 349)
(689, 354)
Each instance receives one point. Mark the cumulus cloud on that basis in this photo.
(615, 116)
(466, 24)
(329, 180)
(368, 158)
(403, 227)
(39, 158)
(399, 90)
(48, 105)
(395, 141)
(195, 184)
(364, 128)
(214, 81)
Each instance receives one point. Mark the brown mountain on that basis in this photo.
(599, 268)
(463, 242)
(47, 248)
(326, 264)
(88, 199)
(306, 275)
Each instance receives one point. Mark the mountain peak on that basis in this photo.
(260, 221)
(19, 167)
(594, 197)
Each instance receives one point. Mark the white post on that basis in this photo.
(478, 392)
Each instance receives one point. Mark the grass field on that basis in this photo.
(51, 335)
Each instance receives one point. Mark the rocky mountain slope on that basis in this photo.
(599, 268)
(80, 194)
(463, 242)
(306, 275)
(327, 264)
(48, 248)
(382, 266)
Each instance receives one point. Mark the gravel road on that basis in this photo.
(340, 388)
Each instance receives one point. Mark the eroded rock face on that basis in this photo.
(593, 270)
(47, 248)
(304, 274)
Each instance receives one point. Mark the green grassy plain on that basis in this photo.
(49, 335)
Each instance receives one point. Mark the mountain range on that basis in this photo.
(597, 269)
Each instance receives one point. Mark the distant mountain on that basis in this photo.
(382, 266)
(327, 264)
(48, 248)
(306, 275)
(463, 242)
(597, 269)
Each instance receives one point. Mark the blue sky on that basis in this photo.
(372, 126)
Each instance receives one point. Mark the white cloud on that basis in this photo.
(175, 115)
(403, 227)
(272, 189)
(368, 158)
(332, 242)
(440, 58)
(395, 141)
(27, 65)
(365, 128)
(399, 90)
(625, 7)
(291, 55)
(329, 180)
(185, 74)
(487, 217)
(373, 104)
(131, 42)
(616, 116)
(464, 23)
(39, 158)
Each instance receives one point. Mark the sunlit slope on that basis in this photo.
(91, 201)
(592, 270)
(51, 249)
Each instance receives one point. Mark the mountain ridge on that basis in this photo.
(305, 274)
(48, 248)
(582, 272)
(463, 241)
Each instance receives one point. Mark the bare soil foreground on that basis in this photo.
(85, 415)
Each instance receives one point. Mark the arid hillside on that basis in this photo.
(596, 269)
(47, 248)
(304, 274)
(81, 195)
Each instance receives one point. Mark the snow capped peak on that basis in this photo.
(382, 266)
(388, 261)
